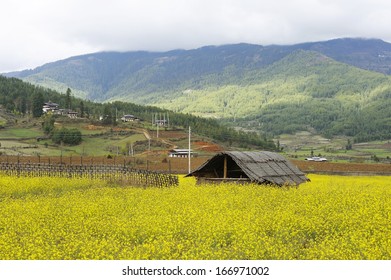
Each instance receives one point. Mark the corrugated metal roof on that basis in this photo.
(260, 166)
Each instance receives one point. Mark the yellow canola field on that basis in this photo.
(330, 217)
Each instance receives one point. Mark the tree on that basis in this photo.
(48, 124)
(67, 136)
(58, 135)
(36, 104)
(23, 105)
(68, 101)
(348, 145)
(72, 137)
(108, 117)
(81, 109)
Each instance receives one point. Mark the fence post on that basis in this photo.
(19, 169)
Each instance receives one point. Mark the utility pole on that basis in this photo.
(189, 153)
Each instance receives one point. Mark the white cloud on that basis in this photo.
(39, 31)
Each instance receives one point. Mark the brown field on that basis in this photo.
(160, 162)
(207, 146)
(172, 134)
(335, 167)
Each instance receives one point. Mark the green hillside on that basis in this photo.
(143, 75)
(21, 101)
(304, 91)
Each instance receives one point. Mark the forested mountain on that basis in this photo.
(114, 75)
(274, 89)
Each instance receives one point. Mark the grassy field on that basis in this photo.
(22, 141)
(330, 217)
(21, 132)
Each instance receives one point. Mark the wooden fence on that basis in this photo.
(118, 173)
(160, 164)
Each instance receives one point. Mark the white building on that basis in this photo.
(50, 107)
(129, 118)
(184, 153)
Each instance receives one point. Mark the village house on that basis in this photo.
(129, 118)
(50, 107)
(54, 108)
(72, 114)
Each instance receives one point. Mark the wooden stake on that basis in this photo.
(225, 167)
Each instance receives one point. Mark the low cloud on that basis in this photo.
(41, 31)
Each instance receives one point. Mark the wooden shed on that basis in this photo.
(257, 167)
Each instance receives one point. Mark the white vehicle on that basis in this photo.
(316, 159)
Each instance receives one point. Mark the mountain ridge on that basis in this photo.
(103, 76)
(328, 86)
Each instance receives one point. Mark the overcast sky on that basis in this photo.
(34, 32)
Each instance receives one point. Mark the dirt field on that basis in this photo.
(207, 147)
(334, 167)
(159, 162)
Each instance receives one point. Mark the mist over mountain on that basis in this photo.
(333, 87)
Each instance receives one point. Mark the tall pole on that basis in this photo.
(157, 129)
(189, 153)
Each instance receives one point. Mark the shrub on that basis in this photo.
(67, 136)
